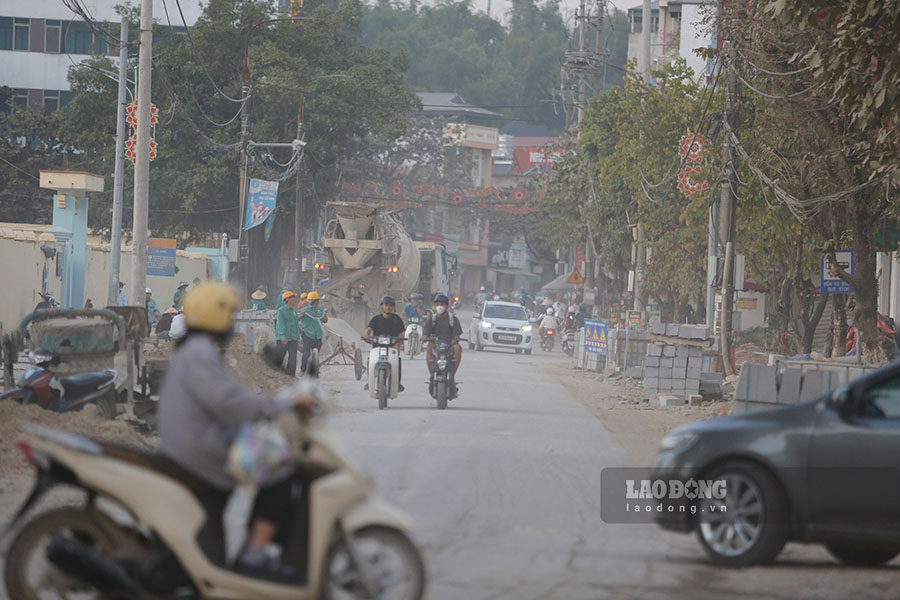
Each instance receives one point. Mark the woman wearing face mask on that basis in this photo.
(445, 328)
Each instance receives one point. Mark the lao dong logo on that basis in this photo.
(674, 489)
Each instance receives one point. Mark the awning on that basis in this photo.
(519, 272)
(560, 284)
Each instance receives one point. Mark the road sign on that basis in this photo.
(575, 278)
(830, 283)
(161, 257)
(594, 336)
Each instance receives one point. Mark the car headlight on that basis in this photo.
(487, 324)
(677, 439)
(526, 327)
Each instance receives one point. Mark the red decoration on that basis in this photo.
(457, 199)
(692, 147)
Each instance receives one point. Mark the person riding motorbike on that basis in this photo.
(201, 405)
(446, 329)
(481, 297)
(387, 323)
(582, 314)
(548, 322)
(414, 311)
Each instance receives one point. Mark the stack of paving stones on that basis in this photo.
(676, 365)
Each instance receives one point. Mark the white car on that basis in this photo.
(501, 325)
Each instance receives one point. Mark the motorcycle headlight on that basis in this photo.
(526, 327)
(677, 439)
(442, 364)
(487, 324)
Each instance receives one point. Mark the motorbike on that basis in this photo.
(40, 385)
(384, 365)
(149, 529)
(413, 344)
(441, 385)
(568, 340)
(47, 302)
(547, 340)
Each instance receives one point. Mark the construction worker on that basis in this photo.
(311, 331)
(287, 331)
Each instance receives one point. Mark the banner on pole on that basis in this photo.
(161, 257)
(260, 202)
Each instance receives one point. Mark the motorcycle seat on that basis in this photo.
(155, 461)
(87, 383)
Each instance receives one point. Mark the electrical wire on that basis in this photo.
(20, 169)
(76, 7)
(772, 96)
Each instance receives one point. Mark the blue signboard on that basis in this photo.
(260, 202)
(594, 336)
(161, 257)
(830, 283)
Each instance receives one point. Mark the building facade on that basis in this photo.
(40, 40)
(677, 28)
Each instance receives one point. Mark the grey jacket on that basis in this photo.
(201, 406)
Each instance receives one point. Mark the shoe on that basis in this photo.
(269, 568)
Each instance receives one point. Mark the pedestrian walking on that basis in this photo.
(311, 318)
(287, 331)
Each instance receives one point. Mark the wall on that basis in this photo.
(23, 261)
(693, 37)
(754, 315)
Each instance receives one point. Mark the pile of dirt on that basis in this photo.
(87, 422)
(750, 353)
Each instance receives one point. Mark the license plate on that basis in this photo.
(507, 338)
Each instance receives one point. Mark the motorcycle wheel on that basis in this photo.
(29, 574)
(106, 405)
(357, 364)
(391, 557)
(413, 346)
(381, 389)
(440, 394)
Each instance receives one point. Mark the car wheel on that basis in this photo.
(527, 350)
(750, 524)
(518, 351)
(471, 345)
(861, 556)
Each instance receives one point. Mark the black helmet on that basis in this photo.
(441, 297)
(387, 300)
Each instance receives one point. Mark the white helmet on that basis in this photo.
(549, 310)
(482, 288)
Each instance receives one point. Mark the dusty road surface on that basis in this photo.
(504, 488)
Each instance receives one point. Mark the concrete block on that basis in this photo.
(651, 372)
(694, 332)
(668, 350)
(680, 362)
(672, 329)
(678, 386)
(651, 382)
(665, 384)
(789, 390)
(693, 373)
(651, 361)
(707, 363)
(695, 362)
(692, 386)
(654, 350)
(756, 383)
(816, 383)
(667, 361)
(695, 352)
(713, 377)
(683, 351)
(634, 372)
(658, 328)
(666, 400)
(695, 399)
(665, 372)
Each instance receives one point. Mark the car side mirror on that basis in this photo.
(842, 400)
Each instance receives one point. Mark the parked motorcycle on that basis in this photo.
(547, 340)
(169, 542)
(39, 385)
(413, 343)
(384, 365)
(47, 302)
(441, 385)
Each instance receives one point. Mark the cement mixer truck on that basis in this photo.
(370, 255)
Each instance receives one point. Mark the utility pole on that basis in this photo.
(115, 242)
(142, 164)
(582, 48)
(727, 222)
(298, 208)
(244, 185)
(641, 250)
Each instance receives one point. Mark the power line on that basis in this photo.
(76, 7)
(20, 169)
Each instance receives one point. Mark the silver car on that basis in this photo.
(501, 325)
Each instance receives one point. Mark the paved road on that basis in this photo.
(504, 486)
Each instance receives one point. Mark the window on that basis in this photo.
(883, 401)
(21, 28)
(6, 33)
(500, 311)
(53, 36)
(20, 98)
(636, 24)
(79, 39)
(65, 97)
(51, 100)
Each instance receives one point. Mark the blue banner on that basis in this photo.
(594, 336)
(161, 257)
(260, 202)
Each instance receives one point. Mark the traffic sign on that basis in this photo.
(830, 283)
(575, 278)
(594, 336)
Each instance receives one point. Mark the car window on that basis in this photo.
(504, 312)
(883, 401)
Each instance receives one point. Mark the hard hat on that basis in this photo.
(482, 288)
(313, 296)
(286, 294)
(441, 297)
(303, 295)
(387, 300)
(181, 284)
(210, 307)
(148, 291)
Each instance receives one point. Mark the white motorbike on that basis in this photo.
(384, 369)
(413, 344)
(147, 529)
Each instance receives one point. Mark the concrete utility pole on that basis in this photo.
(115, 255)
(727, 205)
(298, 209)
(245, 140)
(641, 251)
(142, 164)
(582, 40)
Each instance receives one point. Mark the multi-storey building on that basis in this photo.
(677, 28)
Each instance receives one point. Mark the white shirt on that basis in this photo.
(178, 327)
(548, 322)
(121, 299)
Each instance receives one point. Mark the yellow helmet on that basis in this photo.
(303, 295)
(210, 307)
(313, 296)
(286, 294)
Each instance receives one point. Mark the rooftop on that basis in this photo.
(451, 104)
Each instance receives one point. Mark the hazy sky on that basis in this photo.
(568, 7)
